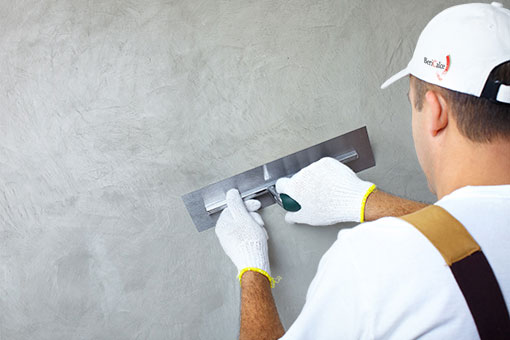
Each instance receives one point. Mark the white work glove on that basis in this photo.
(242, 234)
(328, 192)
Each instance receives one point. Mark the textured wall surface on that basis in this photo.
(111, 110)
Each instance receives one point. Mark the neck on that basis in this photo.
(466, 163)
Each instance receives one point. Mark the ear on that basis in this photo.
(437, 112)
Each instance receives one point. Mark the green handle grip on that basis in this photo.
(289, 204)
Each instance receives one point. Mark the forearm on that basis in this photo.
(259, 317)
(380, 204)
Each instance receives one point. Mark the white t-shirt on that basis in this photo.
(385, 280)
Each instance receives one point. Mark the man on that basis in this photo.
(384, 279)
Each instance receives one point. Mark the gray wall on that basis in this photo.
(111, 110)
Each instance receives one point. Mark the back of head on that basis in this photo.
(479, 119)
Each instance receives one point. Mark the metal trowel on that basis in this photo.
(204, 205)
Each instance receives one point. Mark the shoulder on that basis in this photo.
(402, 271)
(389, 229)
(390, 256)
(382, 278)
(380, 253)
(388, 240)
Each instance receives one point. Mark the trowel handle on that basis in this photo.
(289, 204)
(284, 200)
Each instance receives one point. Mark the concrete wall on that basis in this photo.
(111, 110)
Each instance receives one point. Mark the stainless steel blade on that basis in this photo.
(217, 206)
(204, 205)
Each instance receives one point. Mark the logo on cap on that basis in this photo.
(438, 65)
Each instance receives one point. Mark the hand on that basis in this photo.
(241, 233)
(328, 192)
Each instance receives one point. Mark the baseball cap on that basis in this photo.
(460, 47)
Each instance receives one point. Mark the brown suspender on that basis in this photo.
(470, 268)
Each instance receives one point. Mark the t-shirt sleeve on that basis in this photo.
(336, 304)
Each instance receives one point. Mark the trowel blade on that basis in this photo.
(204, 205)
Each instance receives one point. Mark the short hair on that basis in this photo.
(478, 119)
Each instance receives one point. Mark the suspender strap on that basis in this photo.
(470, 268)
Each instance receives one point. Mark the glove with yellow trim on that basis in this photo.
(328, 191)
(242, 235)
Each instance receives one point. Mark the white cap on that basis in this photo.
(460, 47)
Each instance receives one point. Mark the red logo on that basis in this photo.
(438, 65)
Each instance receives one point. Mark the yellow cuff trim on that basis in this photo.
(272, 281)
(364, 202)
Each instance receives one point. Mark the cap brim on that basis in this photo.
(394, 78)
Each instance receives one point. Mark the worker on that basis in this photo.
(388, 279)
